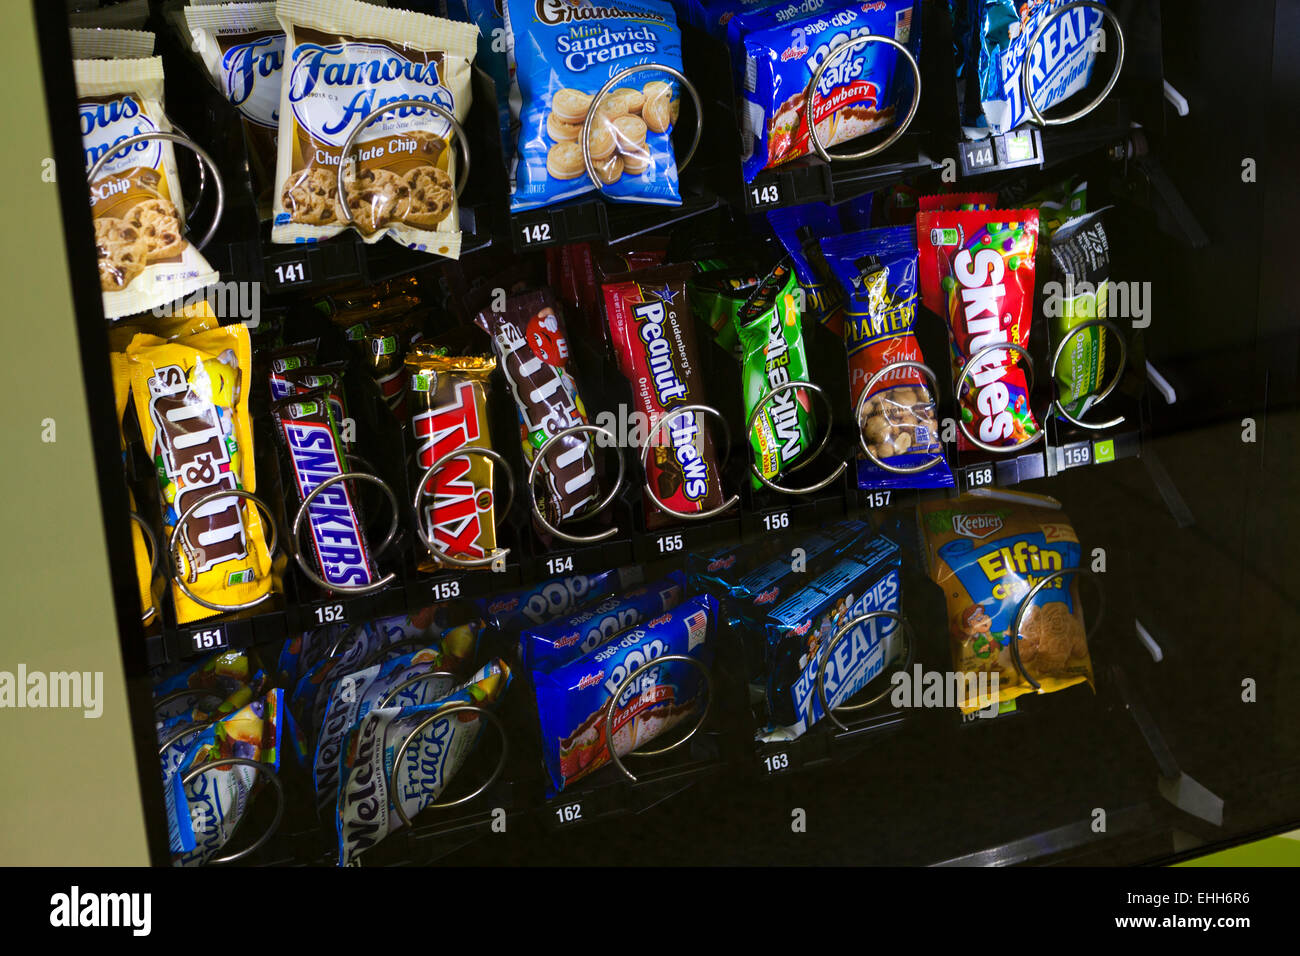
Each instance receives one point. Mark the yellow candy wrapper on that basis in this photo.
(143, 561)
(987, 551)
(191, 396)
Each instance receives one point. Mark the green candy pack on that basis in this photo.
(769, 327)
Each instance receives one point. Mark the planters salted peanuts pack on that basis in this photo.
(563, 52)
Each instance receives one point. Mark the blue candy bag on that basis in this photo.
(562, 640)
(799, 228)
(563, 53)
(572, 699)
(1060, 64)
(877, 272)
(865, 89)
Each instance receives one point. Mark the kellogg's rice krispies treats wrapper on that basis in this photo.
(572, 699)
(564, 51)
(145, 260)
(343, 60)
(987, 552)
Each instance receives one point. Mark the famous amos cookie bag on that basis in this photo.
(191, 397)
(344, 60)
(564, 52)
(986, 551)
(977, 271)
(652, 334)
(448, 402)
(145, 259)
(899, 421)
(242, 48)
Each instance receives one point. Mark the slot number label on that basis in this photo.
(670, 543)
(760, 197)
(290, 273)
(569, 813)
(209, 639)
(444, 590)
(559, 565)
(537, 233)
(776, 763)
(776, 521)
(980, 476)
(330, 614)
(878, 499)
(1074, 456)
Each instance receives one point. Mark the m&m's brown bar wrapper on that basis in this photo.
(447, 396)
(532, 346)
(653, 336)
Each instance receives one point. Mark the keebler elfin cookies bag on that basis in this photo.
(987, 551)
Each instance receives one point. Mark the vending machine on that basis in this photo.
(684, 432)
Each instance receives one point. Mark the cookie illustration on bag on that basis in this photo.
(145, 261)
(563, 53)
(343, 62)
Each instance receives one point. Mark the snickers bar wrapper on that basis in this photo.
(191, 396)
(653, 337)
(314, 453)
(532, 346)
(448, 402)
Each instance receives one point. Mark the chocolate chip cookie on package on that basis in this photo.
(342, 60)
(145, 261)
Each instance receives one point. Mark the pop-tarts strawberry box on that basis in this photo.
(865, 89)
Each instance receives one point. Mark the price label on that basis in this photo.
(979, 476)
(776, 763)
(209, 639)
(776, 521)
(283, 275)
(536, 234)
(761, 197)
(877, 499)
(669, 543)
(330, 614)
(559, 565)
(1076, 455)
(569, 813)
(978, 156)
(444, 590)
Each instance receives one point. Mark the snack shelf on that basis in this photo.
(825, 745)
(813, 180)
(1109, 126)
(594, 219)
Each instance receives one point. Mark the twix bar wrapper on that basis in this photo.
(447, 396)
(343, 60)
(145, 261)
(191, 396)
(309, 436)
(242, 46)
